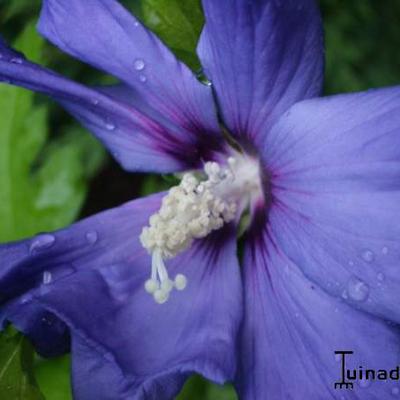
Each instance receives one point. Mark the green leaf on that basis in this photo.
(198, 388)
(54, 378)
(13, 8)
(43, 184)
(361, 44)
(16, 361)
(178, 23)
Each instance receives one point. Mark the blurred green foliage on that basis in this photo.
(362, 39)
(53, 377)
(16, 368)
(45, 164)
(43, 183)
(178, 23)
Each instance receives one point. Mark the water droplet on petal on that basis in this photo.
(381, 277)
(92, 237)
(139, 65)
(142, 78)
(385, 250)
(42, 242)
(16, 60)
(357, 290)
(95, 102)
(26, 298)
(364, 383)
(368, 256)
(395, 391)
(110, 126)
(136, 24)
(47, 277)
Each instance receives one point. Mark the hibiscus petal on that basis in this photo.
(292, 329)
(105, 35)
(139, 139)
(335, 167)
(262, 56)
(91, 276)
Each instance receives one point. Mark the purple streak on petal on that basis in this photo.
(262, 56)
(105, 35)
(138, 140)
(292, 328)
(197, 146)
(335, 164)
(97, 289)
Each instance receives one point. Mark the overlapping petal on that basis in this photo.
(262, 56)
(91, 275)
(292, 329)
(105, 35)
(140, 139)
(335, 167)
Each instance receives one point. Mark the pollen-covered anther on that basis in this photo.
(191, 210)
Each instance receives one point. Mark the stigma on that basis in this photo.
(203, 202)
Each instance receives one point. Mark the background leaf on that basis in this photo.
(16, 361)
(178, 23)
(198, 388)
(43, 184)
(53, 377)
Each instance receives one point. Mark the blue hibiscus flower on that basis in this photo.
(153, 291)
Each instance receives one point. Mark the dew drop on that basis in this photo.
(95, 102)
(142, 78)
(42, 242)
(357, 290)
(385, 250)
(395, 391)
(92, 237)
(26, 299)
(136, 24)
(381, 277)
(139, 65)
(110, 126)
(16, 60)
(364, 383)
(368, 256)
(47, 277)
